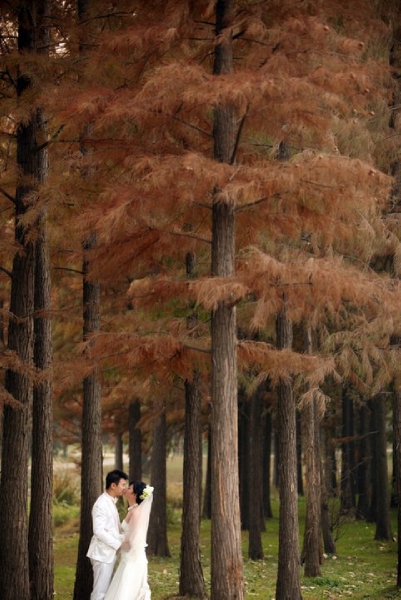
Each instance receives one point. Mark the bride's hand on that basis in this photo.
(125, 547)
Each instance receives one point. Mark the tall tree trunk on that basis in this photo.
(14, 558)
(135, 442)
(192, 582)
(92, 460)
(288, 586)
(227, 581)
(312, 546)
(40, 532)
(41, 514)
(255, 481)
(383, 523)
(157, 534)
(91, 444)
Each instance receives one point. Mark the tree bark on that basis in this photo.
(41, 513)
(312, 554)
(288, 585)
(14, 557)
(192, 582)
(92, 459)
(227, 581)
(157, 534)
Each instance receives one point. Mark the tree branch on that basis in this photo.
(7, 195)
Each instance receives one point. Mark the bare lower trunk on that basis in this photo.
(312, 554)
(157, 534)
(41, 513)
(191, 575)
(288, 585)
(92, 459)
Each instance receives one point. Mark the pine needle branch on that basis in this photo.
(192, 126)
(4, 270)
(251, 204)
(77, 271)
(238, 136)
(7, 195)
(48, 142)
(197, 349)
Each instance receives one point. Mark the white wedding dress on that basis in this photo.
(130, 581)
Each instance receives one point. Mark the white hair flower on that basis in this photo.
(146, 492)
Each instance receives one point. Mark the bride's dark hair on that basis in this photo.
(138, 487)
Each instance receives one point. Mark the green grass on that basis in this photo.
(363, 568)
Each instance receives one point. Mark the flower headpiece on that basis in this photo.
(146, 492)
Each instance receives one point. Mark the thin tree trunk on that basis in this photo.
(383, 523)
(227, 581)
(255, 481)
(119, 451)
(135, 442)
(41, 513)
(312, 546)
(243, 457)
(192, 582)
(288, 586)
(207, 494)
(364, 467)
(157, 534)
(347, 454)
(299, 454)
(397, 436)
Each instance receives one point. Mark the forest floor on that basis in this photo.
(362, 568)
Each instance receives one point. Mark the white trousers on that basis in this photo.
(102, 573)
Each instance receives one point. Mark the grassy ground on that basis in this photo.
(362, 569)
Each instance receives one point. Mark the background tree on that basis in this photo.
(31, 164)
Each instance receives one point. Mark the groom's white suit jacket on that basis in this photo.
(107, 536)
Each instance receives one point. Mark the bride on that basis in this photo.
(130, 581)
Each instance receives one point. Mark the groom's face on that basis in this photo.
(120, 488)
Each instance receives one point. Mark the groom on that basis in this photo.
(107, 537)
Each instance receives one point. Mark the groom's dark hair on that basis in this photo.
(114, 477)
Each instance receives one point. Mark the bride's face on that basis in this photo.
(129, 494)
